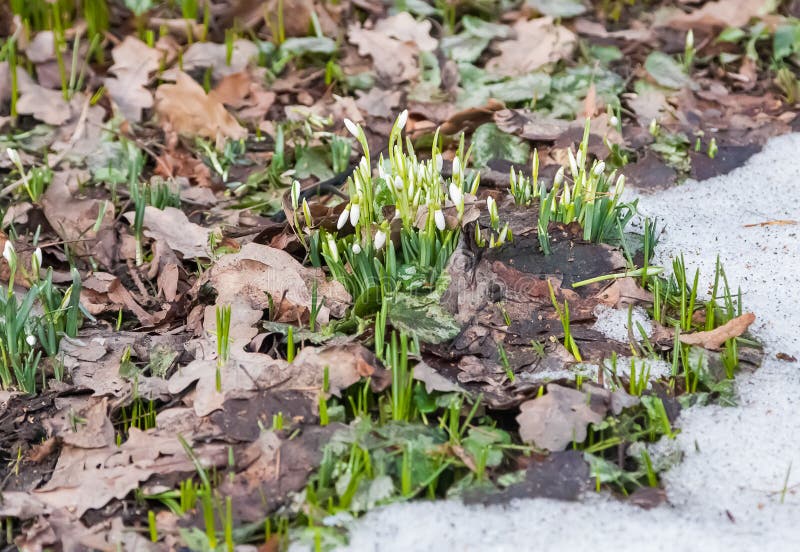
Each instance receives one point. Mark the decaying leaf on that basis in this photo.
(539, 42)
(714, 339)
(185, 108)
(559, 417)
(87, 479)
(86, 224)
(48, 106)
(208, 54)
(395, 61)
(259, 276)
(403, 27)
(724, 13)
(173, 226)
(133, 62)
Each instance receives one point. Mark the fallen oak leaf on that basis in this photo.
(539, 42)
(133, 62)
(557, 418)
(186, 108)
(715, 338)
(173, 226)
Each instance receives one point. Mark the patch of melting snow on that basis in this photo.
(613, 323)
(726, 494)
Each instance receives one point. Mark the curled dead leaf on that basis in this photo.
(715, 338)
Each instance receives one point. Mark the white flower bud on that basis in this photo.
(438, 218)
(491, 206)
(30, 340)
(402, 119)
(37, 256)
(356, 249)
(343, 216)
(355, 213)
(439, 162)
(380, 240)
(559, 178)
(690, 40)
(8, 251)
(295, 193)
(352, 128)
(599, 168)
(456, 167)
(456, 195)
(614, 121)
(334, 250)
(620, 186)
(307, 213)
(398, 183)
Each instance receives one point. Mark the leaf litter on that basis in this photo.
(289, 399)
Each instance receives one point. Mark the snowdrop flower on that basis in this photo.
(307, 213)
(690, 40)
(333, 248)
(352, 128)
(579, 157)
(37, 257)
(620, 186)
(8, 251)
(613, 121)
(503, 234)
(381, 172)
(559, 178)
(456, 195)
(456, 167)
(438, 218)
(439, 162)
(355, 213)
(491, 205)
(402, 119)
(356, 249)
(380, 240)
(343, 216)
(295, 194)
(398, 183)
(599, 168)
(30, 340)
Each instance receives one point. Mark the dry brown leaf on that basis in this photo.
(405, 28)
(82, 422)
(556, 419)
(185, 108)
(48, 106)
(103, 292)
(133, 62)
(244, 92)
(714, 339)
(246, 373)
(378, 102)
(725, 13)
(74, 219)
(41, 48)
(623, 292)
(394, 61)
(209, 54)
(258, 272)
(537, 43)
(86, 479)
(172, 226)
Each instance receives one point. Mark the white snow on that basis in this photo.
(613, 323)
(726, 494)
